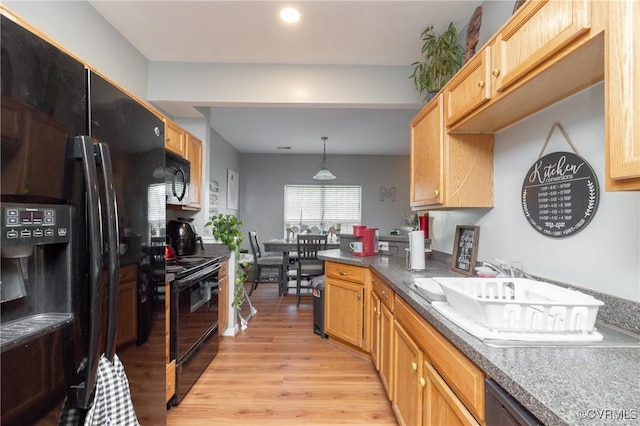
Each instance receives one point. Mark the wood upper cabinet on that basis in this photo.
(193, 153)
(448, 170)
(345, 302)
(539, 30)
(470, 88)
(622, 95)
(174, 138)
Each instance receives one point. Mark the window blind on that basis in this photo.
(323, 206)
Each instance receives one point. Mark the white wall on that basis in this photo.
(83, 31)
(605, 255)
(263, 177)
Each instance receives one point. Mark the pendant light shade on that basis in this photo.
(324, 173)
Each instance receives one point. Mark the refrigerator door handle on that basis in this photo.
(84, 151)
(112, 244)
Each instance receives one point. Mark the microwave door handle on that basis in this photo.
(112, 244)
(83, 149)
(184, 186)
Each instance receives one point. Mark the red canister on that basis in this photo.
(424, 224)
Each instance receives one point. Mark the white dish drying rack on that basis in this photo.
(518, 309)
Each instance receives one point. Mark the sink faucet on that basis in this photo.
(506, 271)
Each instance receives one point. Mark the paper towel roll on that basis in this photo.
(416, 250)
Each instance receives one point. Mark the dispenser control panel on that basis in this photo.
(35, 224)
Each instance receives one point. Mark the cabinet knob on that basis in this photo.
(359, 296)
(375, 309)
(436, 192)
(481, 84)
(169, 385)
(414, 366)
(496, 72)
(422, 381)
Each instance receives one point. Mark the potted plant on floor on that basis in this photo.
(442, 57)
(226, 229)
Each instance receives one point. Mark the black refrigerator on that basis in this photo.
(83, 193)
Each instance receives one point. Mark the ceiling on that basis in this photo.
(329, 33)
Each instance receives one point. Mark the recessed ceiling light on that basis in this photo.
(289, 15)
(283, 147)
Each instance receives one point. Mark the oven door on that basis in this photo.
(196, 316)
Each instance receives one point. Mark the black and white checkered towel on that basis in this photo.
(112, 403)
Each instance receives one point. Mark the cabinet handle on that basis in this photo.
(414, 366)
(343, 273)
(422, 381)
(496, 72)
(436, 192)
(481, 84)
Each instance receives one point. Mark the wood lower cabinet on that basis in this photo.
(344, 302)
(407, 389)
(170, 365)
(448, 170)
(455, 384)
(127, 326)
(193, 153)
(622, 96)
(224, 294)
(440, 405)
(382, 301)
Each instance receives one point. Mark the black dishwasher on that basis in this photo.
(501, 409)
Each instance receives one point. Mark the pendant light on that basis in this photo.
(324, 173)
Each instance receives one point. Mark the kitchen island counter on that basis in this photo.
(569, 385)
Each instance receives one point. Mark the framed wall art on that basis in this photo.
(465, 249)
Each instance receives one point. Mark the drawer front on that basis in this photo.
(345, 272)
(462, 375)
(384, 292)
(128, 273)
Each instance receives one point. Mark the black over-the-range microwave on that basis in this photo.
(177, 177)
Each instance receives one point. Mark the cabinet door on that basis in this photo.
(127, 305)
(374, 313)
(385, 357)
(223, 303)
(426, 155)
(622, 99)
(440, 406)
(344, 311)
(469, 89)
(539, 30)
(174, 138)
(193, 153)
(407, 390)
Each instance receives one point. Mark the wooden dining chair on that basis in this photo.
(309, 265)
(262, 263)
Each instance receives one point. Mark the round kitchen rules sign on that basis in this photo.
(560, 194)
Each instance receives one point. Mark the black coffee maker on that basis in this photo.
(184, 236)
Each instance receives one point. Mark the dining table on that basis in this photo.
(286, 247)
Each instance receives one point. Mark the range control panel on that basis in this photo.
(35, 224)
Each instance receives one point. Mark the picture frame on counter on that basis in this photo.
(465, 249)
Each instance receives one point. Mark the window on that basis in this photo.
(323, 206)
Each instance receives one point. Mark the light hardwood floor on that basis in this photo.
(278, 372)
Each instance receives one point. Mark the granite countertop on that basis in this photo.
(570, 385)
